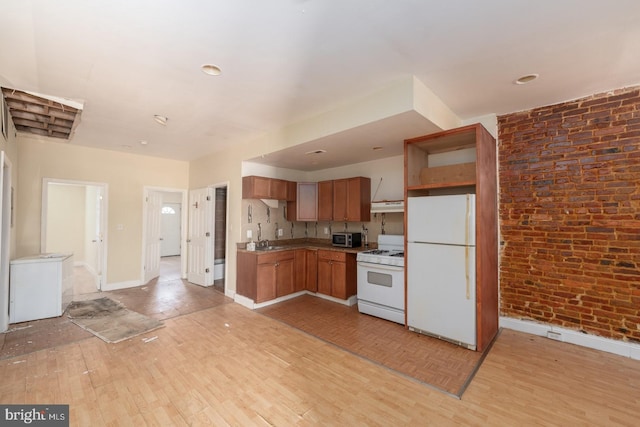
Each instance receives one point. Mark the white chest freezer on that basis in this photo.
(40, 286)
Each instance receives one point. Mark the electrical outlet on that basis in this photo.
(326, 230)
(249, 234)
(556, 336)
(280, 232)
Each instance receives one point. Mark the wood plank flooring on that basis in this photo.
(162, 298)
(227, 365)
(440, 364)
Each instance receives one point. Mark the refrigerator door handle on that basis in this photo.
(466, 246)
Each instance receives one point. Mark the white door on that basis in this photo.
(94, 235)
(441, 291)
(171, 221)
(153, 205)
(5, 229)
(200, 237)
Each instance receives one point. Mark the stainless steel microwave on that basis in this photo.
(346, 239)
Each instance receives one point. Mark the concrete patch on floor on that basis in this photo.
(110, 320)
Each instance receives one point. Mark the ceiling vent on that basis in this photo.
(41, 114)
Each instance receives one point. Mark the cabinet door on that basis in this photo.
(340, 188)
(256, 187)
(311, 281)
(307, 203)
(339, 279)
(325, 276)
(292, 191)
(278, 190)
(325, 201)
(266, 282)
(300, 267)
(284, 275)
(358, 204)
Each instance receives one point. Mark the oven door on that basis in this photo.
(381, 284)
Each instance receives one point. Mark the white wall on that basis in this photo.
(125, 174)
(66, 220)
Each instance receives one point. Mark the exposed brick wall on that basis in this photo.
(570, 214)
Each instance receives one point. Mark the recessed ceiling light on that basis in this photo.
(161, 119)
(316, 152)
(526, 79)
(210, 69)
(143, 142)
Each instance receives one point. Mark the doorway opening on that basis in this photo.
(207, 240)
(74, 220)
(220, 238)
(165, 221)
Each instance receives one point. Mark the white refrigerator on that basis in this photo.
(441, 267)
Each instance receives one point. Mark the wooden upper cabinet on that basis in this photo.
(352, 199)
(305, 205)
(292, 191)
(463, 160)
(446, 159)
(260, 187)
(256, 187)
(278, 189)
(325, 201)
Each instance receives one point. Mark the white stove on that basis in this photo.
(381, 279)
(390, 251)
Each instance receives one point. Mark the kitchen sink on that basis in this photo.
(269, 248)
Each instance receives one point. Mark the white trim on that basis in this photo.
(621, 348)
(6, 188)
(120, 285)
(250, 304)
(244, 301)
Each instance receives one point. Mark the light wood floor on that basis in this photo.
(435, 362)
(227, 365)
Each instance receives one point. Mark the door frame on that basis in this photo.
(6, 202)
(183, 227)
(224, 185)
(104, 220)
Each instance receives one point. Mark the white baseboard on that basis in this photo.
(120, 285)
(248, 302)
(244, 301)
(621, 348)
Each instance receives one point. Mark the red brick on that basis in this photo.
(570, 214)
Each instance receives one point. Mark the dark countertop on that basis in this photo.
(285, 245)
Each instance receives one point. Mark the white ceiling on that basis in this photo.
(284, 61)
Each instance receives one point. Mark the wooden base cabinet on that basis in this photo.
(311, 272)
(337, 274)
(265, 276)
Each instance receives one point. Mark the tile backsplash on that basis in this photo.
(264, 221)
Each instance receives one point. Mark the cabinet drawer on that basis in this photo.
(332, 255)
(273, 257)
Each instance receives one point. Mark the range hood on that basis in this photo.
(387, 206)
